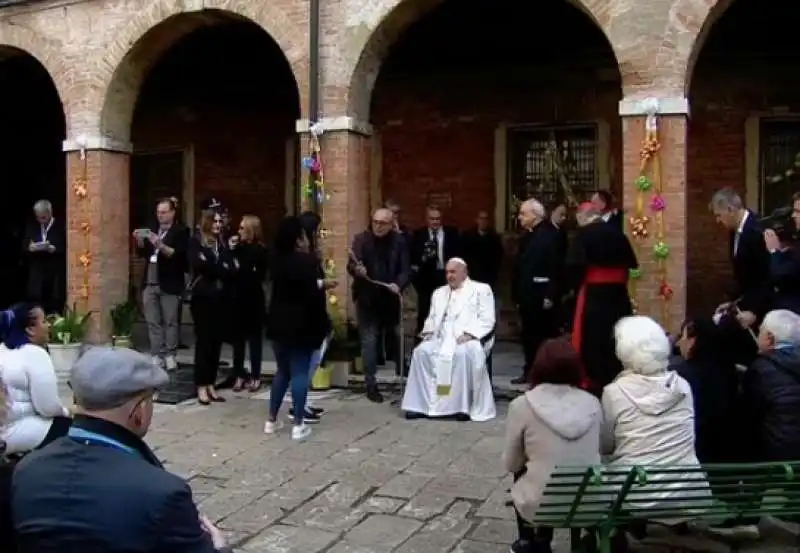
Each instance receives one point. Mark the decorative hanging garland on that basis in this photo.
(81, 191)
(650, 182)
(316, 185)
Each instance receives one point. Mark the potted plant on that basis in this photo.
(123, 317)
(67, 332)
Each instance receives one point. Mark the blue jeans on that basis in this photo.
(293, 366)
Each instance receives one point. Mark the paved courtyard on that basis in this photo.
(366, 481)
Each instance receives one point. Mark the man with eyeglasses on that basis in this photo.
(101, 488)
(380, 269)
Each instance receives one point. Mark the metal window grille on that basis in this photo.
(553, 164)
(779, 163)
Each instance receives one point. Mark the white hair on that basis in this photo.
(457, 261)
(43, 206)
(726, 199)
(784, 325)
(642, 345)
(536, 207)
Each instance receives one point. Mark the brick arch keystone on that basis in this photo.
(144, 38)
(367, 42)
(47, 52)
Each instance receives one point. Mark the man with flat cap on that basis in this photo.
(100, 488)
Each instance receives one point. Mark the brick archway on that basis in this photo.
(387, 20)
(144, 39)
(46, 52)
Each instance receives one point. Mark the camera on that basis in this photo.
(781, 222)
(430, 251)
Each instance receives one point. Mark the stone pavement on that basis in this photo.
(366, 481)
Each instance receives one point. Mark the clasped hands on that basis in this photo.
(463, 339)
(33, 247)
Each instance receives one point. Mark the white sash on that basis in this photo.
(46, 229)
(161, 234)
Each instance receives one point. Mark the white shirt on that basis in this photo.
(32, 396)
(438, 235)
(739, 231)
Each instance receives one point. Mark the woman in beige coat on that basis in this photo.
(554, 423)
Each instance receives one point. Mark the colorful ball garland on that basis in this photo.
(650, 183)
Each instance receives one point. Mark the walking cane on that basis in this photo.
(401, 353)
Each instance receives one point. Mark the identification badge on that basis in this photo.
(154, 258)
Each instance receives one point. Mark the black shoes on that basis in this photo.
(309, 417)
(374, 395)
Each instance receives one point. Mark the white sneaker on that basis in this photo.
(271, 427)
(158, 362)
(171, 362)
(300, 432)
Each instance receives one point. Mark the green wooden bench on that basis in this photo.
(593, 503)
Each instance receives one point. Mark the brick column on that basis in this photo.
(98, 242)
(345, 154)
(672, 115)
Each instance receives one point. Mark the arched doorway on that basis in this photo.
(744, 131)
(32, 165)
(215, 117)
(481, 104)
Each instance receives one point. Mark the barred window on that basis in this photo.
(553, 164)
(779, 163)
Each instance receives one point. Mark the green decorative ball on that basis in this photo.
(635, 273)
(643, 184)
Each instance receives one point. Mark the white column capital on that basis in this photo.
(84, 142)
(638, 107)
(332, 124)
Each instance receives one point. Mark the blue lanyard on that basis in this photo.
(89, 438)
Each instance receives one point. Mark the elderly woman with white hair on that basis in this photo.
(771, 390)
(649, 416)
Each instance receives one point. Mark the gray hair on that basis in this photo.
(535, 206)
(784, 325)
(726, 199)
(642, 345)
(43, 206)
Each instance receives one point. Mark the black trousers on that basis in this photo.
(253, 338)
(207, 314)
(46, 288)
(537, 325)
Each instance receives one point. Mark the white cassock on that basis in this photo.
(447, 378)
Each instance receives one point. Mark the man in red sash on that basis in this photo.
(597, 265)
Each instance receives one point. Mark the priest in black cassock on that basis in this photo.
(46, 246)
(598, 262)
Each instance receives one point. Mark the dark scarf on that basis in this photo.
(118, 433)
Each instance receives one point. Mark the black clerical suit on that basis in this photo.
(536, 280)
(46, 269)
(752, 290)
(598, 263)
(430, 251)
(784, 275)
(483, 252)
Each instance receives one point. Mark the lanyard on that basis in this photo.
(46, 229)
(93, 438)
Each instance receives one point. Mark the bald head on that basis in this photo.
(456, 272)
(382, 221)
(531, 213)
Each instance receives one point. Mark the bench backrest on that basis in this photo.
(611, 495)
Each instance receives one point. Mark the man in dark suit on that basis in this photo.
(431, 247)
(46, 245)
(603, 202)
(164, 246)
(564, 306)
(750, 299)
(380, 267)
(535, 286)
(100, 488)
(482, 249)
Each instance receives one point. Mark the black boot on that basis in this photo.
(373, 394)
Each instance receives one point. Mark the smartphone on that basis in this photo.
(142, 233)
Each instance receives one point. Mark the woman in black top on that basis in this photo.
(250, 314)
(297, 321)
(213, 269)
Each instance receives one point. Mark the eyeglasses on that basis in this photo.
(380, 223)
(217, 221)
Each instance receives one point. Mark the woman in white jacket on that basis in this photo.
(35, 414)
(649, 419)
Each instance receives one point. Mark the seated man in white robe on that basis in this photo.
(448, 375)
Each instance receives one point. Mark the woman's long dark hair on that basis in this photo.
(290, 230)
(14, 323)
(706, 338)
(310, 222)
